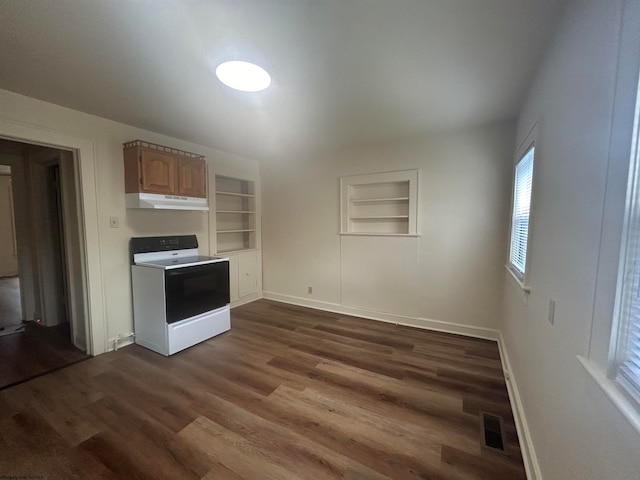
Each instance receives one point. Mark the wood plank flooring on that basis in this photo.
(36, 351)
(288, 393)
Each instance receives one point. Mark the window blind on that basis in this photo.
(629, 371)
(628, 334)
(521, 209)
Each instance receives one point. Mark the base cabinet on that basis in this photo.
(243, 274)
(247, 273)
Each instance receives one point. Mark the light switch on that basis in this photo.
(114, 222)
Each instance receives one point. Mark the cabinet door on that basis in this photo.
(247, 273)
(158, 172)
(233, 277)
(191, 177)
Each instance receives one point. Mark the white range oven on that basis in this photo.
(180, 298)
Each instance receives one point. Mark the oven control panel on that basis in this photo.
(161, 244)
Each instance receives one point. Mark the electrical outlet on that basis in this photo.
(552, 311)
(309, 290)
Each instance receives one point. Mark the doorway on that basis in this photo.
(10, 304)
(46, 291)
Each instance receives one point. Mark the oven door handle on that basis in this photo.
(188, 270)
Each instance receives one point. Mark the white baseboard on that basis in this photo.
(526, 445)
(128, 338)
(418, 322)
(123, 341)
(524, 434)
(248, 299)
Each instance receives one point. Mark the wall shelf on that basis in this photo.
(234, 194)
(379, 203)
(227, 252)
(235, 214)
(379, 200)
(235, 211)
(380, 217)
(355, 234)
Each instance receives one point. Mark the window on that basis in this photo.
(520, 217)
(625, 339)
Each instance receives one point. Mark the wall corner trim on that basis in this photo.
(529, 457)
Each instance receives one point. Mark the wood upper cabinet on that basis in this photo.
(191, 177)
(158, 172)
(151, 168)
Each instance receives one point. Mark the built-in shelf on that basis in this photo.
(379, 203)
(379, 200)
(226, 252)
(368, 234)
(382, 217)
(235, 214)
(234, 194)
(238, 231)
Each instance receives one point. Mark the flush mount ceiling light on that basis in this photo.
(243, 76)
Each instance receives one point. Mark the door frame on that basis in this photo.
(84, 165)
(49, 260)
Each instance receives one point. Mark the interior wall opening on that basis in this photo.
(43, 300)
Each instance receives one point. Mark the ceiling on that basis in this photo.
(344, 72)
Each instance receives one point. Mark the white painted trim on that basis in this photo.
(530, 140)
(122, 344)
(129, 338)
(525, 288)
(120, 341)
(85, 166)
(347, 234)
(248, 299)
(613, 392)
(529, 457)
(418, 322)
(371, 179)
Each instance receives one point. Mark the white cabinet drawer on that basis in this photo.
(197, 329)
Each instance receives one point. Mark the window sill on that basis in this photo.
(613, 391)
(525, 288)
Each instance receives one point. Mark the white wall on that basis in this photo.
(576, 430)
(451, 273)
(107, 138)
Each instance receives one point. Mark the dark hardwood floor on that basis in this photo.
(288, 393)
(35, 350)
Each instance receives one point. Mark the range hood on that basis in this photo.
(165, 202)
